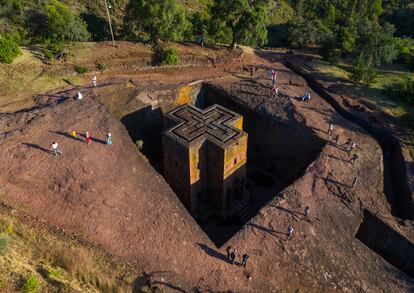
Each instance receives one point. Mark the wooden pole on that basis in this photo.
(110, 23)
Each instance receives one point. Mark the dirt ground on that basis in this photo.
(111, 195)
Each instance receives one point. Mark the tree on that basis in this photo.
(162, 19)
(245, 20)
(304, 32)
(63, 24)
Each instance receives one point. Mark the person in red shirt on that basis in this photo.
(88, 138)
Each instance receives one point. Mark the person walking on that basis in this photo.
(94, 81)
(88, 138)
(74, 134)
(305, 96)
(353, 159)
(307, 211)
(244, 260)
(290, 231)
(336, 139)
(109, 139)
(330, 129)
(55, 148)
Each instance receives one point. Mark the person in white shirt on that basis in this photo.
(94, 80)
(55, 148)
(79, 96)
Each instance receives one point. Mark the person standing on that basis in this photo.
(109, 139)
(55, 148)
(94, 81)
(228, 251)
(88, 138)
(354, 182)
(330, 129)
(245, 258)
(79, 96)
(336, 139)
(307, 210)
(275, 91)
(353, 146)
(233, 255)
(74, 134)
(290, 231)
(347, 143)
(353, 159)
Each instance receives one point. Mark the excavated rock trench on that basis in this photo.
(278, 152)
(373, 231)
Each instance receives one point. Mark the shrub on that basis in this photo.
(32, 284)
(101, 66)
(140, 144)
(170, 56)
(55, 273)
(4, 243)
(81, 69)
(9, 49)
(48, 54)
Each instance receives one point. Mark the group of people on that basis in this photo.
(88, 139)
(232, 255)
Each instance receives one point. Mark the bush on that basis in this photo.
(31, 285)
(101, 66)
(48, 54)
(4, 243)
(329, 51)
(170, 56)
(140, 144)
(9, 49)
(362, 72)
(81, 69)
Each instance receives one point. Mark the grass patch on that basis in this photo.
(37, 261)
(32, 284)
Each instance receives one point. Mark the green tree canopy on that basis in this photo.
(63, 24)
(244, 20)
(162, 19)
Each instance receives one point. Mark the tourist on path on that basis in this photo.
(353, 159)
(94, 80)
(306, 97)
(228, 251)
(74, 134)
(274, 75)
(245, 258)
(336, 139)
(55, 148)
(233, 255)
(353, 146)
(347, 143)
(307, 210)
(275, 91)
(290, 231)
(109, 139)
(330, 129)
(88, 138)
(79, 96)
(354, 182)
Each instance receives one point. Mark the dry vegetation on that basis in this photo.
(34, 260)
